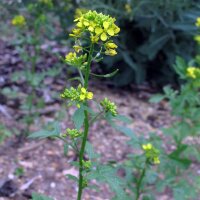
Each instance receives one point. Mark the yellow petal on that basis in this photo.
(106, 25)
(83, 90)
(117, 29)
(79, 24)
(149, 146)
(82, 97)
(86, 23)
(104, 37)
(110, 32)
(144, 146)
(90, 28)
(98, 30)
(90, 95)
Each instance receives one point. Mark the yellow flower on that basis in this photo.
(147, 146)
(110, 45)
(110, 52)
(128, 8)
(98, 25)
(89, 95)
(197, 38)
(151, 153)
(198, 22)
(18, 20)
(82, 97)
(83, 90)
(156, 160)
(191, 72)
(94, 39)
(77, 48)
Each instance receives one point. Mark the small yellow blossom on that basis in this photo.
(89, 95)
(110, 45)
(72, 59)
(110, 52)
(197, 38)
(198, 22)
(128, 8)
(147, 146)
(18, 20)
(77, 48)
(192, 72)
(151, 153)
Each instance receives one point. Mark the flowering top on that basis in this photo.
(18, 20)
(198, 22)
(109, 106)
(78, 95)
(99, 26)
(151, 153)
(193, 72)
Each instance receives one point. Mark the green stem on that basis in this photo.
(86, 126)
(138, 185)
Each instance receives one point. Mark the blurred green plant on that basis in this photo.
(184, 104)
(4, 133)
(153, 33)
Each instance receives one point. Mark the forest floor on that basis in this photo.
(43, 162)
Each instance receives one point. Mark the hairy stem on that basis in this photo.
(86, 126)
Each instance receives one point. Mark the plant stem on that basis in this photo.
(86, 126)
(138, 185)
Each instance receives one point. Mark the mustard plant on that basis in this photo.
(30, 29)
(184, 132)
(93, 36)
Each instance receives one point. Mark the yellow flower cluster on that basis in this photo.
(99, 26)
(198, 22)
(74, 60)
(128, 8)
(73, 133)
(109, 106)
(18, 20)
(110, 48)
(151, 153)
(193, 72)
(197, 38)
(78, 95)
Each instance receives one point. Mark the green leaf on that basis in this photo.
(66, 148)
(123, 119)
(106, 75)
(78, 118)
(36, 196)
(52, 130)
(71, 177)
(90, 151)
(156, 98)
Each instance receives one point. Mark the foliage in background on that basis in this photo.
(185, 132)
(154, 32)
